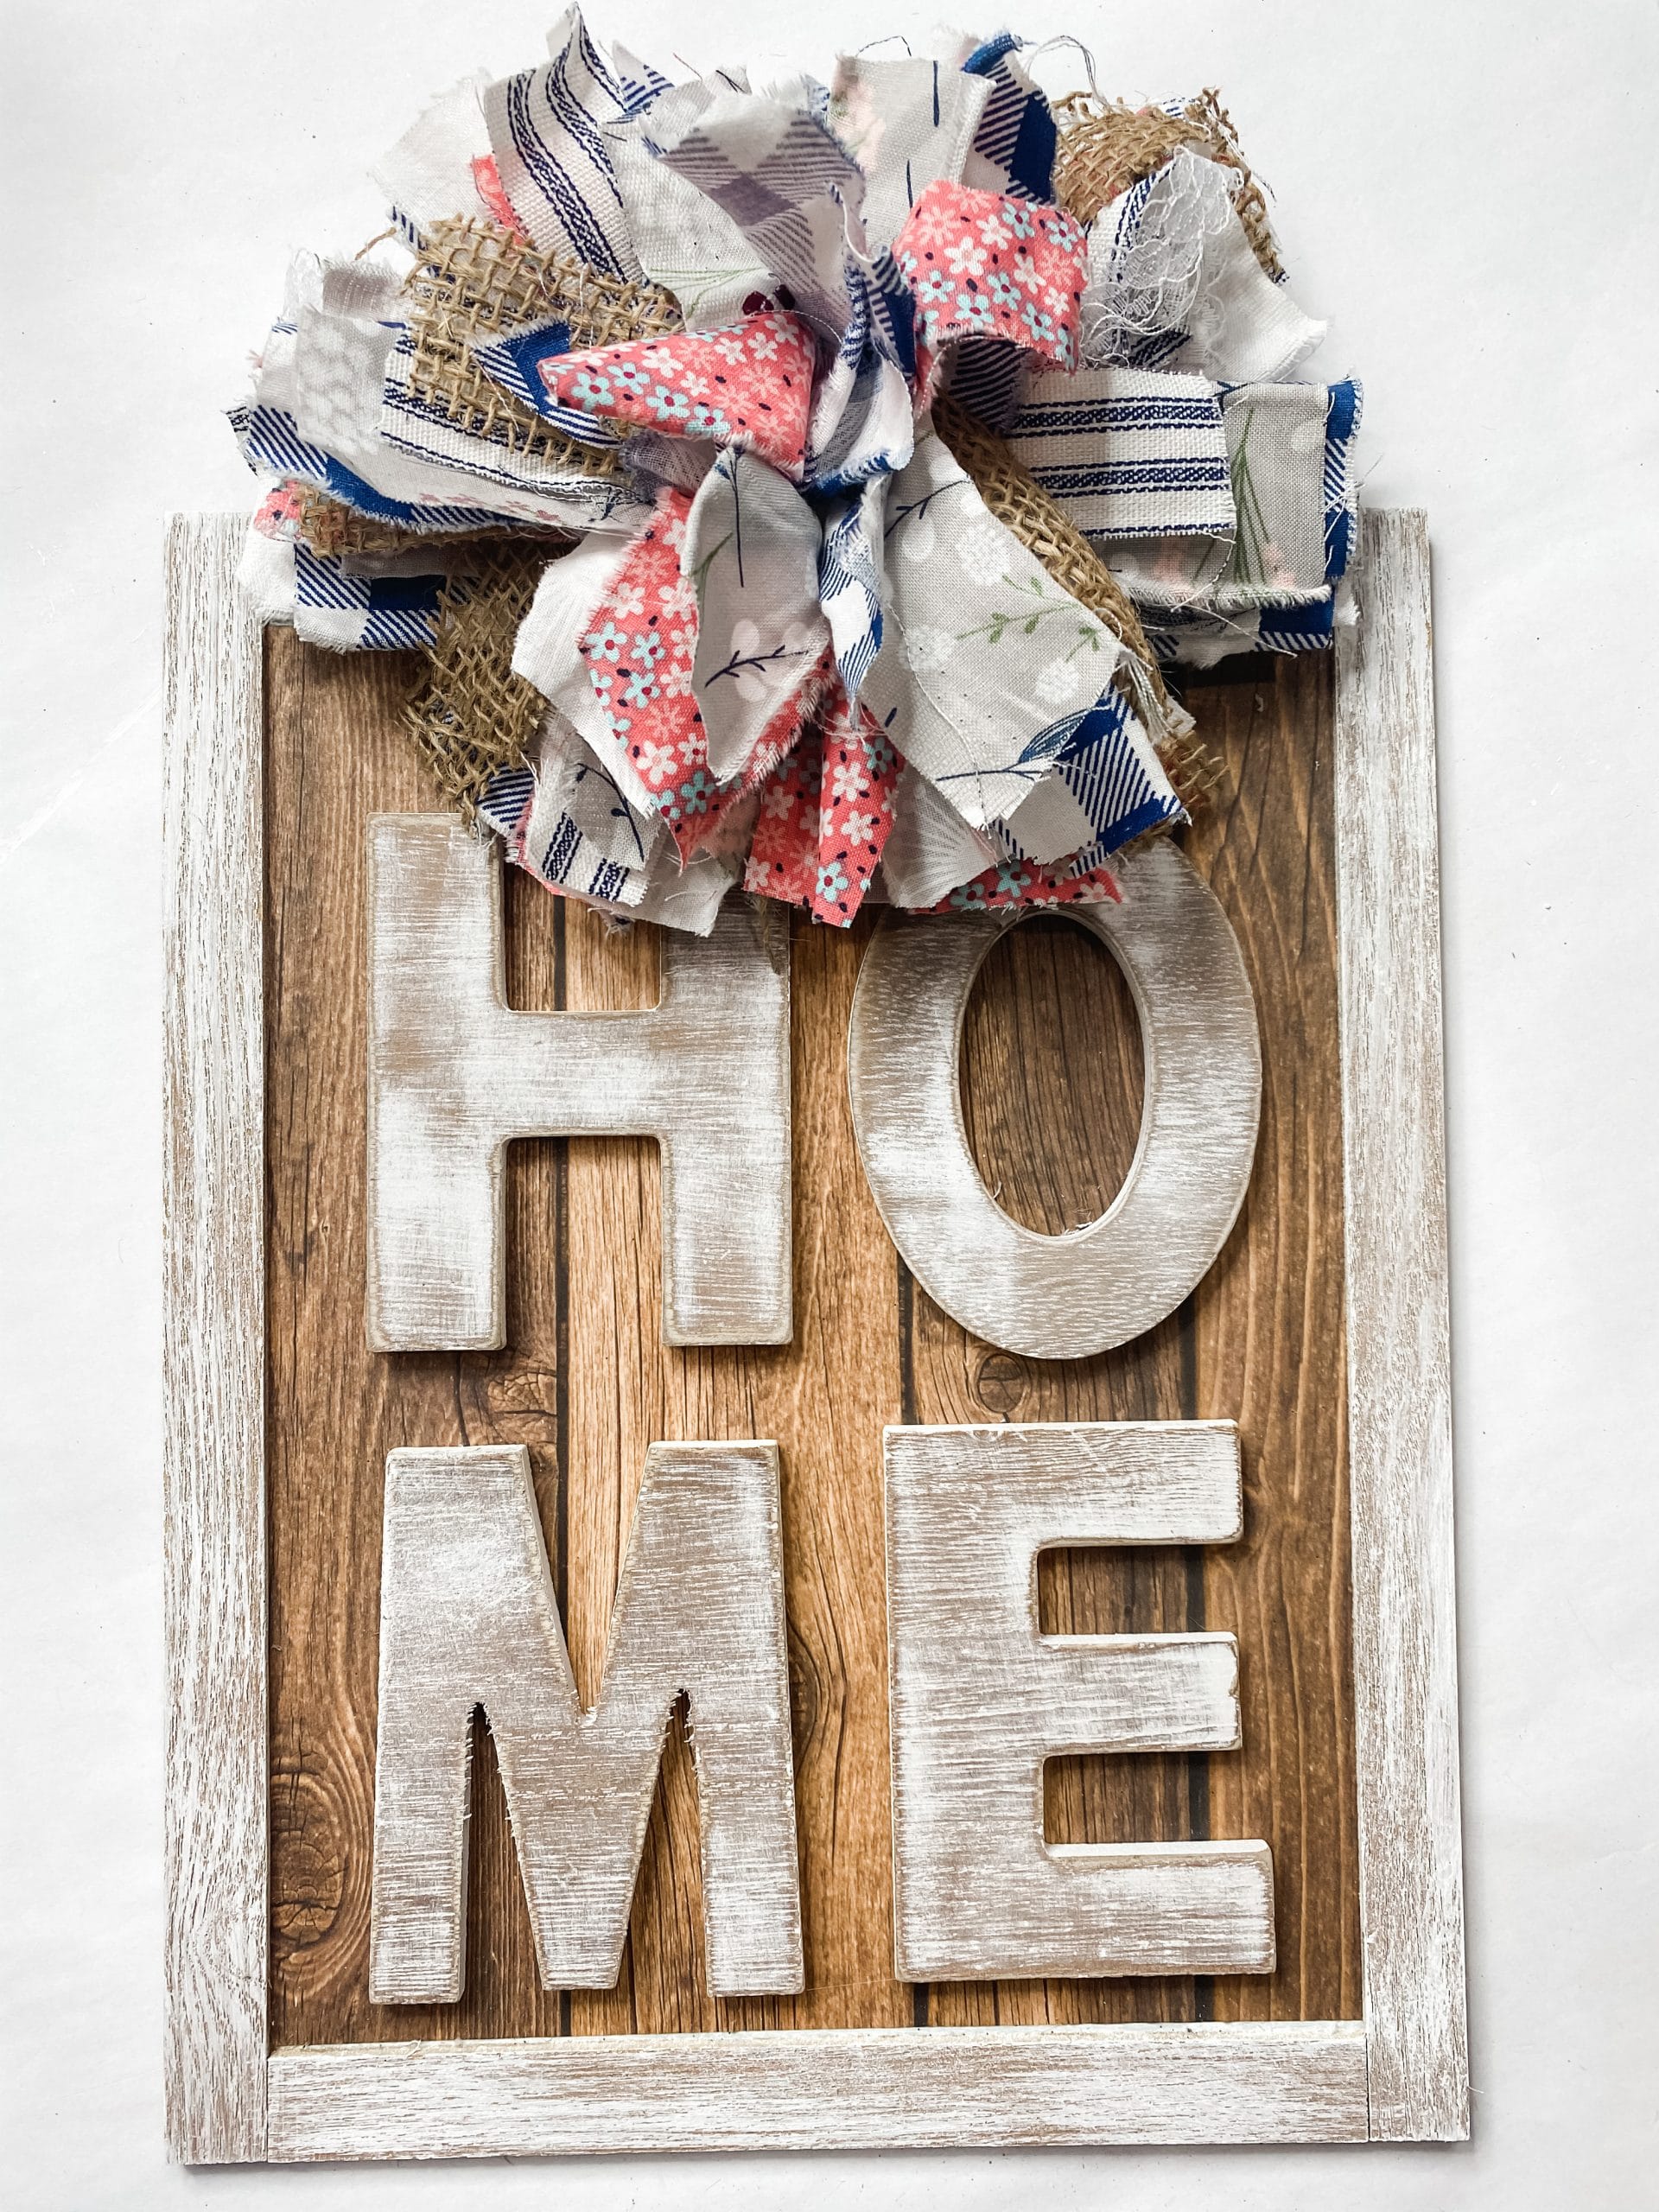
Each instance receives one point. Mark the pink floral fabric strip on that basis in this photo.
(749, 385)
(638, 651)
(983, 266)
(825, 816)
(861, 774)
(1023, 883)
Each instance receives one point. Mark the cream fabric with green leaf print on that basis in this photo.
(1275, 450)
(985, 662)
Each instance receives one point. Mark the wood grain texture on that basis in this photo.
(468, 1617)
(1051, 1080)
(879, 2089)
(1399, 1348)
(1267, 1346)
(824, 1398)
(213, 1364)
(980, 1699)
(586, 1383)
(335, 755)
(454, 1074)
(1094, 1287)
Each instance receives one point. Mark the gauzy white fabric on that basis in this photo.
(264, 576)
(1146, 256)
(1242, 328)
(1167, 571)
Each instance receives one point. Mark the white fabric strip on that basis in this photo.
(428, 175)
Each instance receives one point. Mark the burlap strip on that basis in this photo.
(475, 279)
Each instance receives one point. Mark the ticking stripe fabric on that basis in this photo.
(1129, 453)
(360, 613)
(548, 134)
(791, 645)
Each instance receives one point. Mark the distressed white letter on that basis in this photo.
(980, 1699)
(1062, 1297)
(469, 1618)
(454, 1074)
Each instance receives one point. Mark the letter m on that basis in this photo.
(468, 1619)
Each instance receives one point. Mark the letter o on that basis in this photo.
(1062, 1297)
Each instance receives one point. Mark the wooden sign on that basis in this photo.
(818, 1539)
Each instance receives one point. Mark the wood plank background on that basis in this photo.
(1052, 1084)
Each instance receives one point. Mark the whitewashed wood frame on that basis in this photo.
(980, 1699)
(1400, 2074)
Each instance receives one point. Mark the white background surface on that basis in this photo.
(1468, 191)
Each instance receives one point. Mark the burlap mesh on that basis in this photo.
(471, 716)
(475, 279)
(1195, 772)
(1020, 504)
(332, 528)
(1105, 148)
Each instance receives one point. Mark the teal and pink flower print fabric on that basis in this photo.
(749, 387)
(791, 624)
(640, 650)
(984, 265)
(826, 812)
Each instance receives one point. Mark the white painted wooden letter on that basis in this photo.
(1062, 1297)
(454, 1074)
(980, 1699)
(469, 1618)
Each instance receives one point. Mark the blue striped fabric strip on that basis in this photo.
(270, 440)
(362, 613)
(510, 362)
(566, 860)
(1343, 408)
(1128, 452)
(547, 132)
